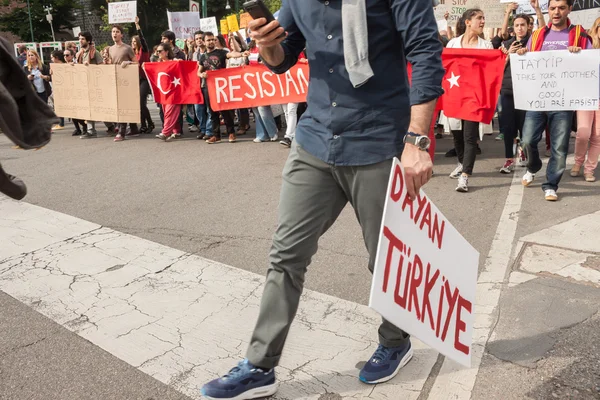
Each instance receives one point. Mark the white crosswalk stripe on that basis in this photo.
(181, 318)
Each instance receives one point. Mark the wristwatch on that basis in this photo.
(422, 142)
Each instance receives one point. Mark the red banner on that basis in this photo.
(174, 82)
(256, 85)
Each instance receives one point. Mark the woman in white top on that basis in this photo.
(466, 133)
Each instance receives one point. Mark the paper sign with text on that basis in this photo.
(224, 27)
(122, 12)
(194, 6)
(425, 272)
(255, 85)
(96, 92)
(556, 80)
(232, 23)
(493, 10)
(209, 25)
(183, 23)
(244, 19)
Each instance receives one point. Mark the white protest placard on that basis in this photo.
(122, 12)
(425, 273)
(525, 6)
(76, 31)
(183, 23)
(492, 9)
(556, 80)
(209, 25)
(194, 6)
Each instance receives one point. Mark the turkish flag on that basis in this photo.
(472, 83)
(174, 82)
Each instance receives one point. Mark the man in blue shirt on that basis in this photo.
(356, 123)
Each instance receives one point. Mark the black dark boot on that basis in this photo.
(12, 186)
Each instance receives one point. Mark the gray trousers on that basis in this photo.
(312, 197)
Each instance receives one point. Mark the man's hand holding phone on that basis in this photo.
(266, 34)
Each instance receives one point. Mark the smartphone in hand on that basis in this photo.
(258, 9)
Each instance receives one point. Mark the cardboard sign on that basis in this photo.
(425, 273)
(244, 19)
(183, 23)
(492, 9)
(256, 85)
(556, 80)
(224, 27)
(96, 92)
(209, 25)
(232, 23)
(122, 12)
(194, 6)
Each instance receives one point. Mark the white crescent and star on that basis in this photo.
(453, 80)
(176, 82)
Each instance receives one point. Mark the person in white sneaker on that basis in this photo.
(467, 135)
(559, 34)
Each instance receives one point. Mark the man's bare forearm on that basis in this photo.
(421, 116)
(273, 55)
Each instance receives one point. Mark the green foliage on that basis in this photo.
(17, 21)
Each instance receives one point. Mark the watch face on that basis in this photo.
(423, 142)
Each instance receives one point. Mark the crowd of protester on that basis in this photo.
(519, 130)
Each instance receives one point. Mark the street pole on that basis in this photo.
(237, 6)
(204, 9)
(49, 19)
(30, 23)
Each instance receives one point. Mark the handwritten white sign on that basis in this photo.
(194, 6)
(493, 10)
(209, 25)
(122, 12)
(425, 273)
(556, 80)
(184, 23)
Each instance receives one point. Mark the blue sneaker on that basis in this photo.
(385, 363)
(243, 382)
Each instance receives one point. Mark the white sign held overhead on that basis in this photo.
(122, 12)
(184, 23)
(76, 31)
(556, 80)
(209, 25)
(493, 10)
(425, 273)
(194, 6)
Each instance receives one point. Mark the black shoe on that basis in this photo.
(76, 132)
(285, 142)
(478, 151)
(450, 153)
(439, 136)
(12, 186)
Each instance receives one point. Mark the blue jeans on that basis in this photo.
(202, 116)
(266, 128)
(208, 124)
(560, 129)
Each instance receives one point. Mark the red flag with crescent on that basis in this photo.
(174, 82)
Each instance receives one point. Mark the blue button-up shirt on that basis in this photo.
(359, 126)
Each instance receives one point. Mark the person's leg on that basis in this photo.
(171, 119)
(310, 202)
(209, 113)
(91, 127)
(509, 124)
(229, 118)
(471, 135)
(291, 119)
(144, 92)
(261, 132)
(585, 120)
(244, 119)
(366, 188)
(266, 115)
(560, 131)
(594, 151)
(459, 143)
(200, 110)
(533, 127)
(161, 114)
